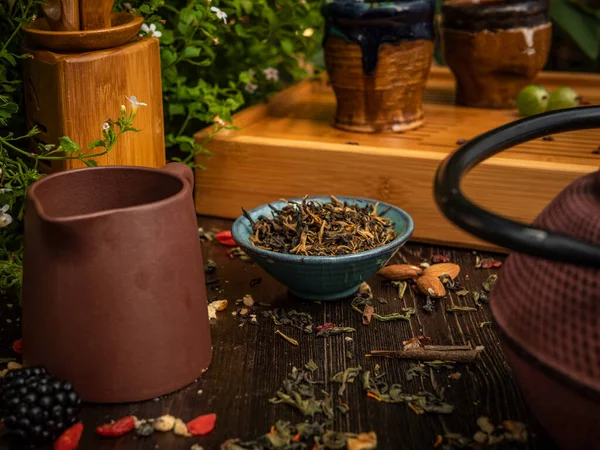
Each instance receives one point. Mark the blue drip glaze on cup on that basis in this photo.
(324, 277)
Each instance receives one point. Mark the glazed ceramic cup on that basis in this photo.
(378, 59)
(114, 297)
(494, 48)
(324, 277)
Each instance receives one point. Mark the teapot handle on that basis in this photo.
(504, 232)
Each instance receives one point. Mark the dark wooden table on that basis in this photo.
(250, 363)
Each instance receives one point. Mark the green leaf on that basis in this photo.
(167, 37)
(287, 46)
(145, 9)
(191, 52)
(247, 6)
(90, 162)
(9, 57)
(187, 15)
(68, 146)
(176, 109)
(167, 57)
(97, 143)
(582, 27)
(240, 31)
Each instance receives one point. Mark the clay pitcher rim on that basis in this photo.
(31, 195)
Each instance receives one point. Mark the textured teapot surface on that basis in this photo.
(550, 309)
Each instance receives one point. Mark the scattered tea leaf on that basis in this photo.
(429, 306)
(489, 283)
(462, 293)
(401, 285)
(347, 376)
(287, 338)
(485, 324)
(455, 308)
(311, 365)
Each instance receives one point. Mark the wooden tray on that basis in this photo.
(288, 148)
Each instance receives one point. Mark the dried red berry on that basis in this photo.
(202, 425)
(119, 428)
(225, 238)
(18, 346)
(437, 259)
(69, 440)
(325, 326)
(490, 263)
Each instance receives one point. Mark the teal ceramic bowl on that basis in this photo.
(324, 277)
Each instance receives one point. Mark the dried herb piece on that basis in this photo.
(363, 441)
(331, 331)
(485, 324)
(366, 298)
(416, 342)
(429, 306)
(455, 308)
(205, 235)
(415, 370)
(300, 320)
(401, 285)
(462, 293)
(287, 338)
(237, 252)
(445, 353)
(313, 228)
(489, 283)
(422, 402)
(366, 315)
(210, 266)
(311, 365)
(347, 376)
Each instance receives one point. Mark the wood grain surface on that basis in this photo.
(74, 94)
(288, 148)
(250, 362)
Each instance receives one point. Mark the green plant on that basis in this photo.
(217, 56)
(581, 20)
(220, 55)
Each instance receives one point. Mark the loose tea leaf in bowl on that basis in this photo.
(314, 228)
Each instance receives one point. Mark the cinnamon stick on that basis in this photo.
(454, 353)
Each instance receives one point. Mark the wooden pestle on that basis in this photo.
(95, 14)
(62, 15)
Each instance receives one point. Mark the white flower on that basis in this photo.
(134, 103)
(251, 88)
(151, 31)
(5, 190)
(251, 72)
(220, 14)
(5, 219)
(218, 120)
(271, 73)
(308, 32)
(105, 126)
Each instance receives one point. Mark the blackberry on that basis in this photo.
(37, 406)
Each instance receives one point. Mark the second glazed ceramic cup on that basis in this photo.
(494, 48)
(378, 59)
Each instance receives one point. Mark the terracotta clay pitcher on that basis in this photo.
(546, 302)
(114, 297)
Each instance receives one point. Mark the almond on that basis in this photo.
(437, 270)
(431, 285)
(397, 272)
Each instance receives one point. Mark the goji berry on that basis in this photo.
(69, 440)
(119, 428)
(225, 238)
(18, 346)
(202, 425)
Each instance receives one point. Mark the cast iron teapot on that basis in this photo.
(547, 299)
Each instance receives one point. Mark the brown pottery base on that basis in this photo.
(491, 67)
(389, 99)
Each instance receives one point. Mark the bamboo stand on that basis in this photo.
(77, 80)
